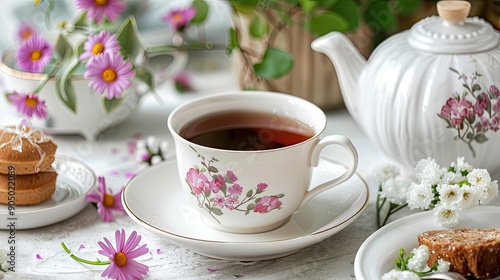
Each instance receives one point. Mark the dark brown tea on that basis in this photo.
(246, 131)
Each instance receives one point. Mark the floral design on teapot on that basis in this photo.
(216, 192)
(472, 119)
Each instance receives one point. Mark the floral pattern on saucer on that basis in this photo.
(216, 192)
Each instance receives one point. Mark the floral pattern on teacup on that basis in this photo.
(472, 117)
(219, 191)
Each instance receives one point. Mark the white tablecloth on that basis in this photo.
(40, 256)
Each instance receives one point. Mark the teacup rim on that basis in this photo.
(174, 134)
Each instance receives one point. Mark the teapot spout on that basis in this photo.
(348, 64)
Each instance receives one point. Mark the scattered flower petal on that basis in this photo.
(111, 9)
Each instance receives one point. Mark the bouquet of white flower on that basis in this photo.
(447, 191)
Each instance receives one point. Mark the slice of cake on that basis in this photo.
(470, 251)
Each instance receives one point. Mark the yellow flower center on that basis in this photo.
(177, 17)
(26, 34)
(98, 48)
(109, 75)
(120, 259)
(31, 102)
(36, 55)
(108, 200)
(101, 2)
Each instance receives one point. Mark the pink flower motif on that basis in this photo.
(34, 54)
(231, 201)
(197, 181)
(123, 266)
(106, 202)
(267, 204)
(29, 105)
(231, 177)
(456, 110)
(109, 73)
(494, 90)
(482, 102)
(494, 123)
(99, 8)
(235, 189)
(217, 183)
(496, 107)
(261, 186)
(25, 31)
(482, 125)
(182, 82)
(179, 18)
(219, 200)
(104, 42)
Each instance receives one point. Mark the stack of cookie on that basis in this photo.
(26, 175)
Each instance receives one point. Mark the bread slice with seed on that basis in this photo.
(470, 251)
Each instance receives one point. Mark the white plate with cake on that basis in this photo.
(376, 255)
(51, 203)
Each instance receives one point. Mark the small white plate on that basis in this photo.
(155, 200)
(74, 180)
(376, 255)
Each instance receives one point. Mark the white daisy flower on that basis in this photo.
(446, 216)
(419, 260)
(461, 165)
(386, 171)
(428, 171)
(470, 197)
(489, 192)
(419, 196)
(443, 266)
(479, 178)
(395, 189)
(400, 275)
(449, 194)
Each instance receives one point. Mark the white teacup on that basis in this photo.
(245, 191)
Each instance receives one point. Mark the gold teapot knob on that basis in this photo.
(454, 11)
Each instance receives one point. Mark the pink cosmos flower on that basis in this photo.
(104, 42)
(123, 266)
(456, 110)
(179, 18)
(267, 204)
(25, 31)
(110, 74)
(29, 105)
(34, 54)
(106, 202)
(182, 82)
(99, 8)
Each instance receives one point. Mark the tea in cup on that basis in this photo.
(245, 158)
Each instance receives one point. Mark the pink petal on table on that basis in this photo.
(38, 256)
(211, 269)
(81, 247)
(114, 151)
(115, 172)
(129, 174)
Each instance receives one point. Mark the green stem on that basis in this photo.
(47, 77)
(98, 262)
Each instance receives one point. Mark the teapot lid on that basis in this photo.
(452, 32)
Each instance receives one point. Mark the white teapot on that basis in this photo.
(431, 91)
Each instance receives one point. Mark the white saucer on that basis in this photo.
(376, 255)
(74, 180)
(155, 200)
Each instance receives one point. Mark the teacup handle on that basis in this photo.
(315, 156)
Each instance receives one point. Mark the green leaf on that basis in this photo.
(63, 48)
(275, 64)
(476, 87)
(406, 7)
(145, 76)
(258, 27)
(379, 16)
(201, 11)
(234, 42)
(481, 138)
(111, 104)
(326, 22)
(326, 3)
(64, 86)
(308, 6)
(349, 11)
(251, 206)
(250, 193)
(216, 211)
(128, 36)
(81, 21)
(213, 169)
